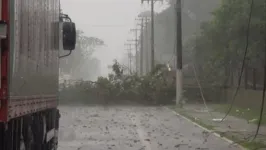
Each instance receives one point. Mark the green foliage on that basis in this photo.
(193, 13)
(150, 89)
(221, 44)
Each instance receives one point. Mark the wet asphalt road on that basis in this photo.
(132, 128)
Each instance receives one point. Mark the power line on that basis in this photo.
(174, 52)
(245, 139)
(263, 99)
(243, 63)
(264, 88)
(201, 91)
(152, 31)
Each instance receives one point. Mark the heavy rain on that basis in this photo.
(164, 75)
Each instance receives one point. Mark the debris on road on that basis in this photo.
(132, 128)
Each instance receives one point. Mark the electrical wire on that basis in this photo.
(65, 55)
(245, 139)
(243, 63)
(174, 50)
(201, 91)
(169, 61)
(263, 94)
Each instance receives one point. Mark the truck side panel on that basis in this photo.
(4, 64)
(33, 59)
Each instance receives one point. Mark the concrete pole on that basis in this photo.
(179, 73)
(136, 50)
(142, 47)
(152, 35)
(136, 45)
(147, 47)
(129, 49)
(130, 58)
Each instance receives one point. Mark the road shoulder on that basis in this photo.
(234, 130)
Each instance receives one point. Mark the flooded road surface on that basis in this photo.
(132, 128)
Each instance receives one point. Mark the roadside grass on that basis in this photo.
(250, 145)
(251, 115)
(196, 120)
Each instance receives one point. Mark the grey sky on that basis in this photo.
(109, 20)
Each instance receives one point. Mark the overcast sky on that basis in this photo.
(109, 20)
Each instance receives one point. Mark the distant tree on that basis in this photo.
(221, 43)
(82, 55)
(194, 12)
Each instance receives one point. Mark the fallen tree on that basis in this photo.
(153, 88)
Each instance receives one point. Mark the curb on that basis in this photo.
(210, 131)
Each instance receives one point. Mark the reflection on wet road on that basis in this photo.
(132, 128)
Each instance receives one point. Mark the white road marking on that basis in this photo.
(210, 131)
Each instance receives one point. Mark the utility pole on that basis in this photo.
(147, 45)
(179, 73)
(152, 31)
(152, 34)
(136, 45)
(129, 49)
(142, 43)
(141, 46)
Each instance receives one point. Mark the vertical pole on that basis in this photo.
(141, 46)
(128, 65)
(179, 74)
(130, 58)
(147, 47)
(128, 55)
(152, 34)
(136, 49)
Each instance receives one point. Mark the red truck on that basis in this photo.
(31, 35)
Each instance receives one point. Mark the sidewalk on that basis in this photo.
(233, 128)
